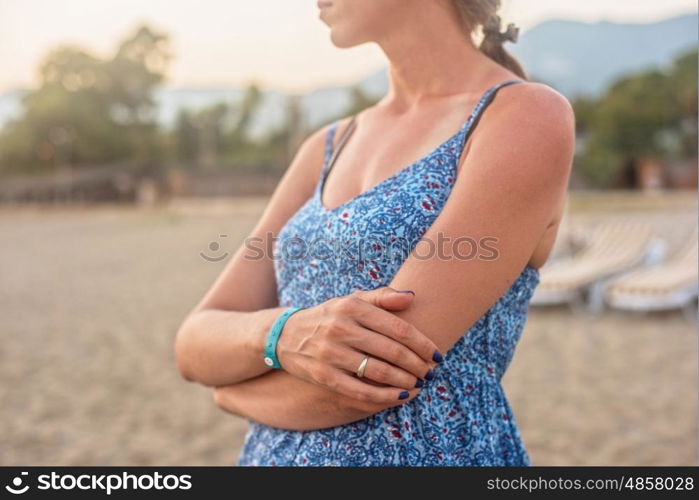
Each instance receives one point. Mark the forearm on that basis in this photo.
(281, 400)
(218, 347)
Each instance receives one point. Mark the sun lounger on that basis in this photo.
(670, 284)
(614, 246)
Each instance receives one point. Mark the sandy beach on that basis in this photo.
(90, 301)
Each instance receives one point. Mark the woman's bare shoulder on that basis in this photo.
(518, 111)
(537, 124)
(536, 99)
(548, 112)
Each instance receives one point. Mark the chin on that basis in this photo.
(345, 40)
(352, 22)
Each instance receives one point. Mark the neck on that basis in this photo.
(431, 58)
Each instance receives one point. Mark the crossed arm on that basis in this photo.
(509, 187)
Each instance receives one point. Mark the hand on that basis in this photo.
(325, 345)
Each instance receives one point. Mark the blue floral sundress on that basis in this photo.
(462, 416)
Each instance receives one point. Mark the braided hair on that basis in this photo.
(483, 13)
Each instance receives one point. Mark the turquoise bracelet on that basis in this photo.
(271, 359)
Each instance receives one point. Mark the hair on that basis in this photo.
(483, 13)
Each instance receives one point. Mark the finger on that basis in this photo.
(400, 330)
(358, 340)
(382, 372)
(382, 347)
(354, 388)
(387, 298)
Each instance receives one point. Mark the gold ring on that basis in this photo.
(362, 367)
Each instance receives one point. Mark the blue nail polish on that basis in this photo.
(419, 383)
(406, 291)
(429, 375)
(404, 395)
(437, 357)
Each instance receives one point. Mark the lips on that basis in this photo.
(324, 3)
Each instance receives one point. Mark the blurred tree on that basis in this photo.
(683, 79)
(186, 140)
(138, 66)
(280, 145)
(211, 135)
(236, 139)
(644, 115)
(295, 127)
(87, 110)
(584, 110)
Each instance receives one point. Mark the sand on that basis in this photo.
(90, 300)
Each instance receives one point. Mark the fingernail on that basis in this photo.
(406, 291)
(404, 395)
(429, 375)
(419, 383)
(437, 357)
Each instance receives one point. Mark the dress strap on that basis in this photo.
(329, 138)
(478, 110)
(330, 152)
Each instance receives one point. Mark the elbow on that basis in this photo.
(225, 398)
(188, 358)
(183, 368)
(217, 394)
(219, 397)
(180, 354)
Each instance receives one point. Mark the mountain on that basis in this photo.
(576, 58)
(584, 58)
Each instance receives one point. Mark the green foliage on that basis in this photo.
(279, 146)
(219, 136)
(647, 114)
(234, 147)
(88, 110)
(683, 78)
(185, 138)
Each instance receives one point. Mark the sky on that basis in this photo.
(277, 43)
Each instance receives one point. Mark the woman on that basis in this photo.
(395, 357)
